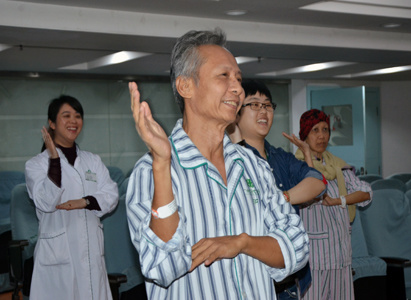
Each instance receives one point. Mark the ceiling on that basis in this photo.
(41, 38)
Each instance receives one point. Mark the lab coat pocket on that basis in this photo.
(53, 248)
(100, 237)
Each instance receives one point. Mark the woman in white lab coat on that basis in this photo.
(71, 189)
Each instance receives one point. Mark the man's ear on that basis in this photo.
(52, 125)
(184, 86)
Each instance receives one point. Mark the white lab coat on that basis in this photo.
(69, 254)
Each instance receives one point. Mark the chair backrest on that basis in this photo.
(8, 180)
(370, 177)
(120, 254)
(408, 195)
(24, 222)
(388, 184)
(387, 220)
(122, 189)
(116, 174)
(404, 177)
(408, 185)
(358, 243)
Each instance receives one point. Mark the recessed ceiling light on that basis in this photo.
(4, 47)
(245, 59)
(377, 72)
(111, 59)
(34, 75)
(236, 12)
(308, 68)
(362, 8)
(391, 25)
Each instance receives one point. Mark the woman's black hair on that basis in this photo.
(54, 108)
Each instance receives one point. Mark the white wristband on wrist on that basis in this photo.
(343, 202)
(164, 211)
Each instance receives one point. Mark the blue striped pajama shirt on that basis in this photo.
(250, 203)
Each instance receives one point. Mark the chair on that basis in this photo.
(387, 229)
(8, 180)
(408, 195)
(122, 189)
(369, 272)
(408, 185)
(24, 228)
(404, 177)
(24, 225)
(120, 254)
(370, 177)
(116, 174)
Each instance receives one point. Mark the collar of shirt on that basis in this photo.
(269, 150)
(188, 155)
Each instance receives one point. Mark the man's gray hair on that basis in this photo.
(186, 59)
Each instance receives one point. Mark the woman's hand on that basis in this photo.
(73, 204)
(328, 201)
(303, 146)
(149, 130)
(48, 141)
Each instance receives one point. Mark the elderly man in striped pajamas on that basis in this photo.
(204, 214)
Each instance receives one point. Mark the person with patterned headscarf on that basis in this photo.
(327, 221)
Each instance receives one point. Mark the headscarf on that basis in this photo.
(309, 119)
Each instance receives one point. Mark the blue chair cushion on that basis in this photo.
(116, 174)
(404, 177)
(8, 180)
(384, 184)
(120, 254)
(24, 222)
(368, 266)
(358, 243)
(370, 177)
(122, 189)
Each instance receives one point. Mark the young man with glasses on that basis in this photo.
(299, 182)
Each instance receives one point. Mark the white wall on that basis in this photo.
(395, 119)
(396, 127)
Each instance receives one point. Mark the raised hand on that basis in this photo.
(304, 147)
(149, 130)
(48, 141)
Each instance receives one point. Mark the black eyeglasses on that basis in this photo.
(258, 105)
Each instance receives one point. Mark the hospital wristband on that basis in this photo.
(164, 211)
(343, 202)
